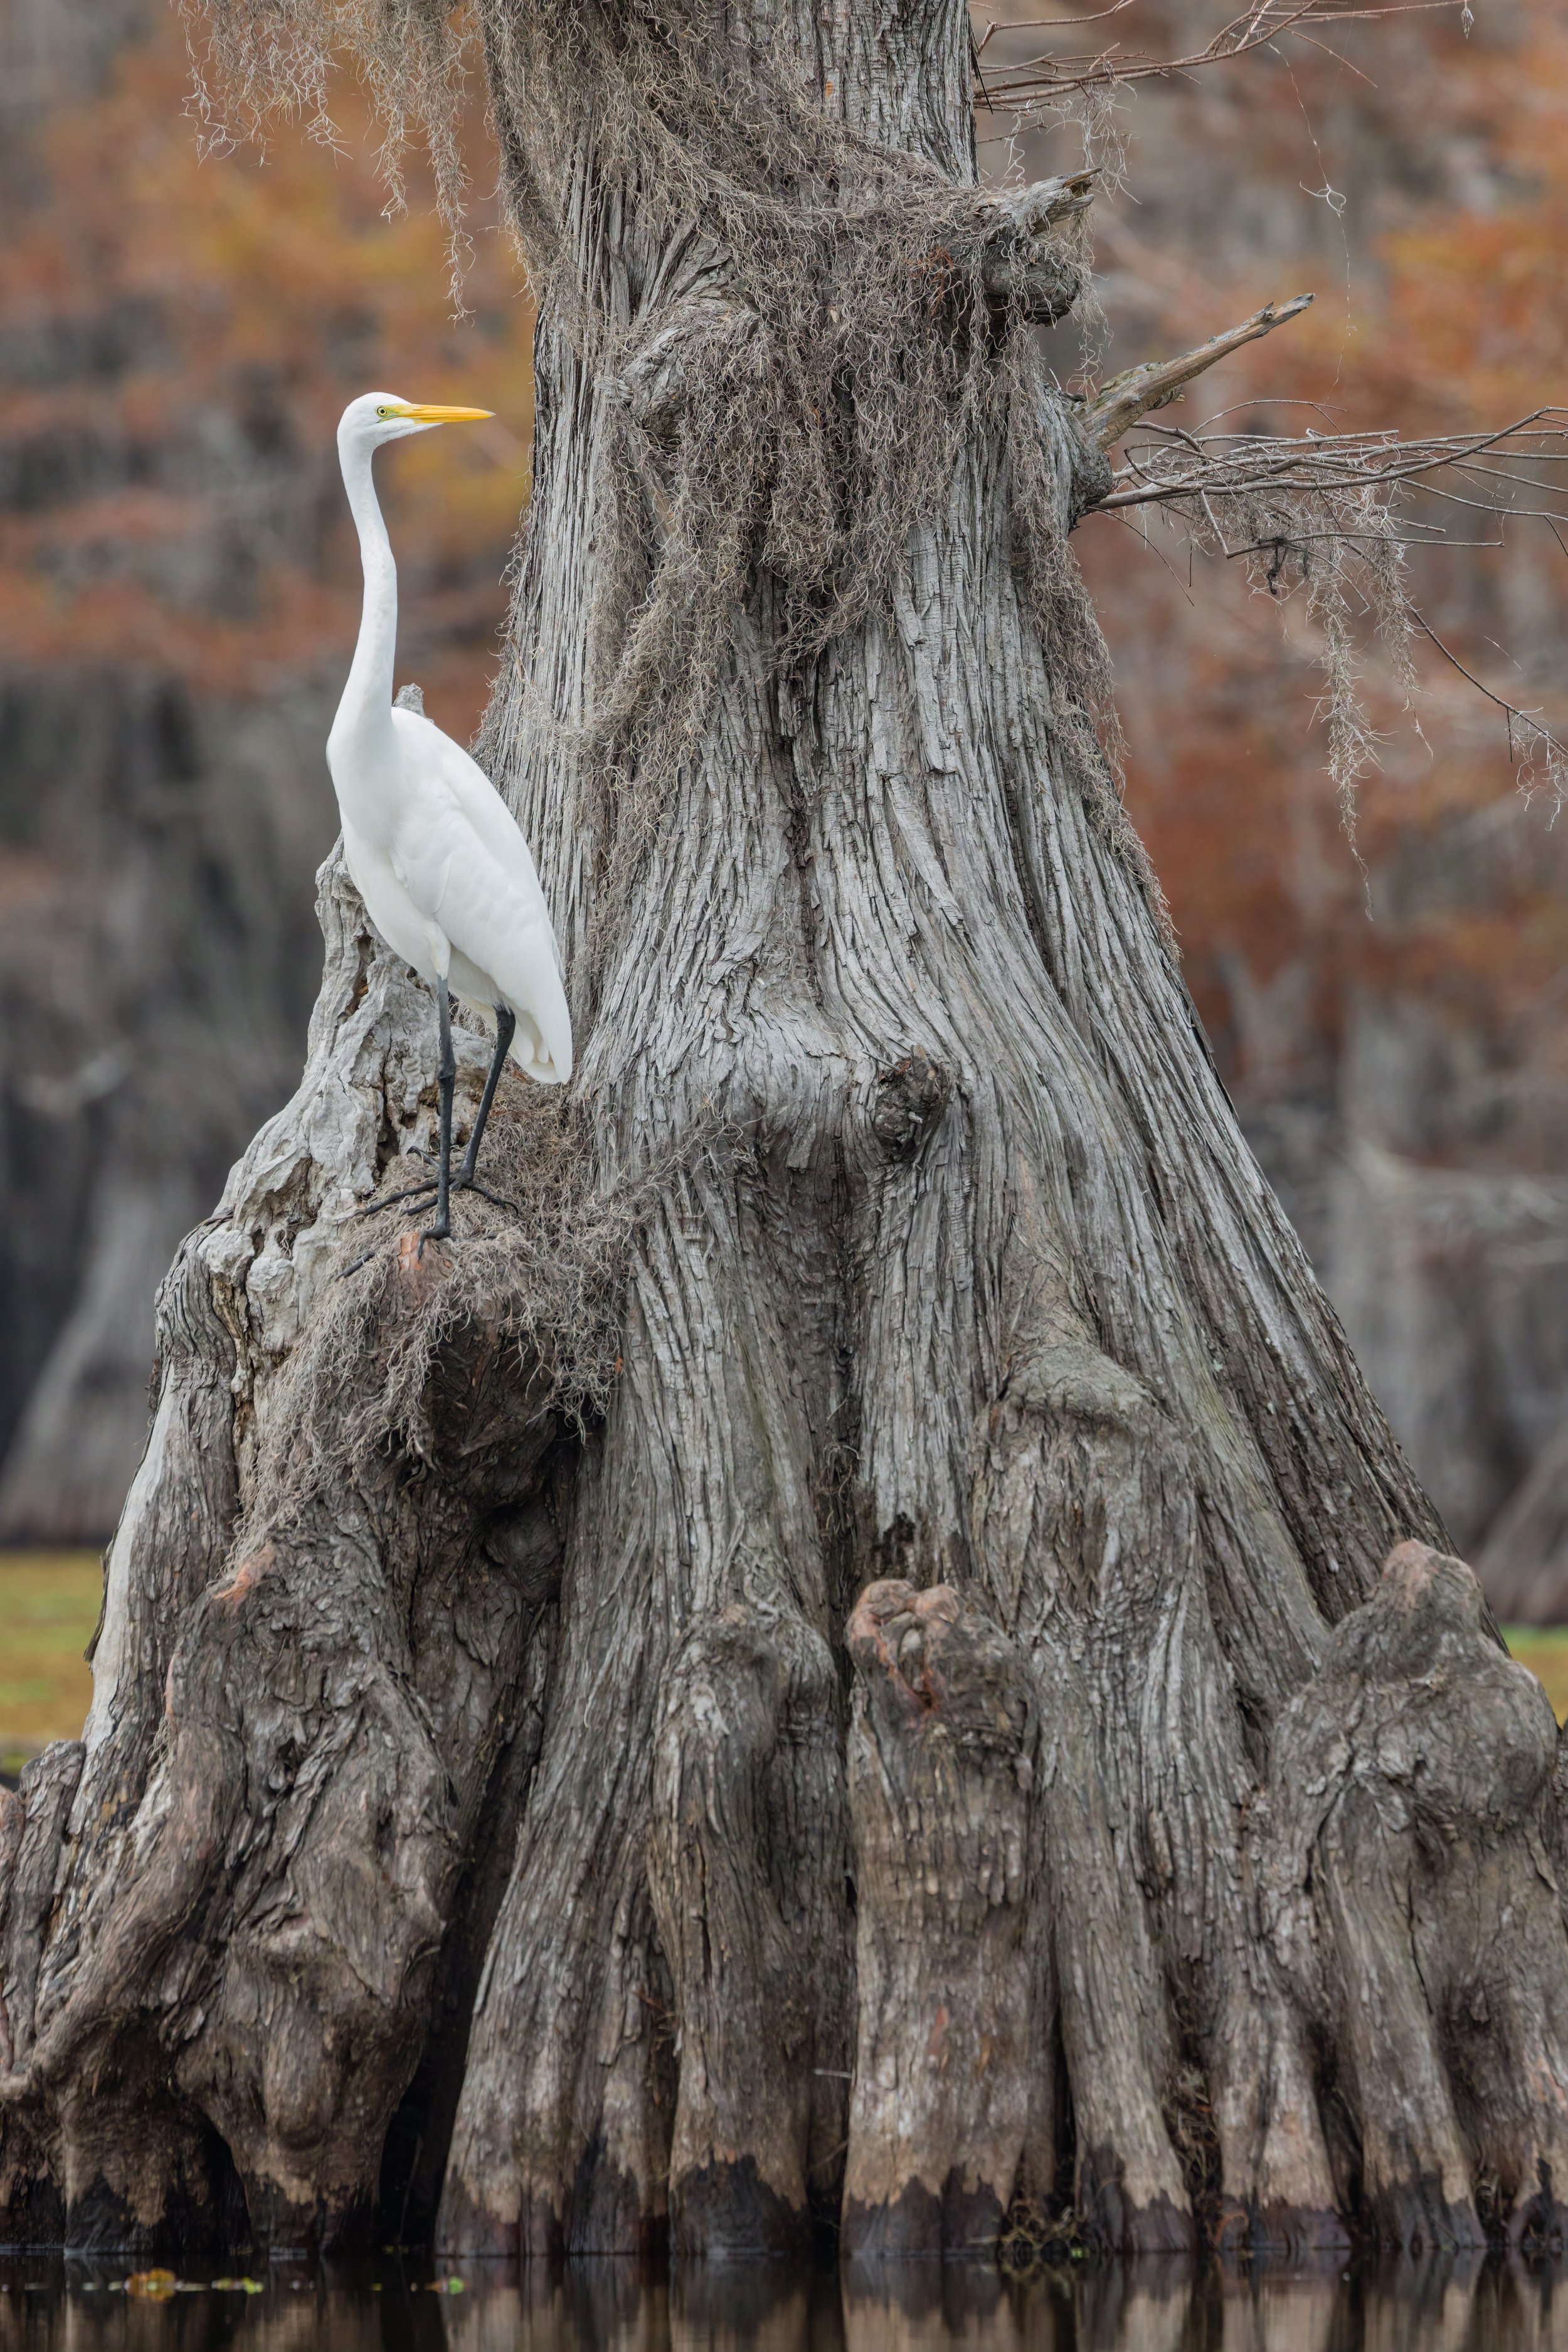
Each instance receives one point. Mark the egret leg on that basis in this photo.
(464, 1180)
(506, 1025)
(446, 1075)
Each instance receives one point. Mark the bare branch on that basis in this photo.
(1327, 514)
(1168, 468)
(1049, 23)
(1037, 85)
(1120, 402)
(1532, 736)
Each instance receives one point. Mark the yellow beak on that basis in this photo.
(429, 412)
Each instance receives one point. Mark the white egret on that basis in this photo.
(435, 852)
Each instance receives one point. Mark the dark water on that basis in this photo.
(1438, 2305)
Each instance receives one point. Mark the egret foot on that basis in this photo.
(410, 1193)
(461, 1183)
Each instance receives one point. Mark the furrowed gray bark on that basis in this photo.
(932, 1732)
(951, 2082)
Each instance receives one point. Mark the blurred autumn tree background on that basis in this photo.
(179, 590)
(1392, 1032)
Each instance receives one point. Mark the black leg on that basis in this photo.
(441, 1228)
(506, 1025)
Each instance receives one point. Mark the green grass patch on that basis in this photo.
(48, 1607)
(1545, 1649)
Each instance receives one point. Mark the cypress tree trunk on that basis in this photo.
(834, 1665)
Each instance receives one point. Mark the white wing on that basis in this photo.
(457, 849)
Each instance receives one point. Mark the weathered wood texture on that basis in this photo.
(939, 1736)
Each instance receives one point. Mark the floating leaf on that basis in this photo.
(151, 2286)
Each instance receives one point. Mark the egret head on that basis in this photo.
(378, 416)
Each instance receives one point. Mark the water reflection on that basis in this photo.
(1441, 2305)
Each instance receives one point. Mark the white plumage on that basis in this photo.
(449, 884)
(435, 852)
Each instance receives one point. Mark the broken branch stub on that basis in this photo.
(1117, 405)
(1029, 269)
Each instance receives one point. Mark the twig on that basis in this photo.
(1531, 728)
(1052, 24)
(1037, 84)
(1262, 465)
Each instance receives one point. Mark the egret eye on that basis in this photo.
(384, 411)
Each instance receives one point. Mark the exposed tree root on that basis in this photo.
(952, 2078)
(747, 1875)
(1411, 1897)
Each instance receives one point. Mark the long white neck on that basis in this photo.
(365, 711)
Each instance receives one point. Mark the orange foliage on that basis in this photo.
(1476, 320)
(1456, 318)
(196, 327)
(188, 333)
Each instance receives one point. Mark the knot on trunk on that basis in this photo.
(1412, 1904)
(1090, 471)
(1028, 270)
(925, 1653)
(655, 385)
(910, 1099)
(527, 1543)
